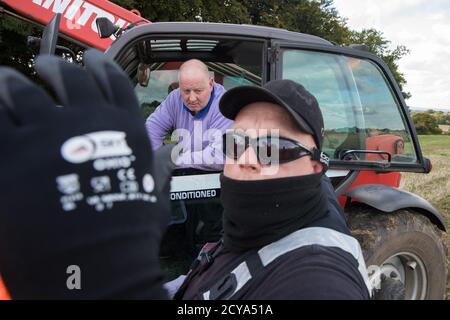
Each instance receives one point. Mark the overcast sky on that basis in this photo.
(423, 26)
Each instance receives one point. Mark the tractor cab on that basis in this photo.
(367, 127)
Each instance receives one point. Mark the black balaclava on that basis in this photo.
(259, 212)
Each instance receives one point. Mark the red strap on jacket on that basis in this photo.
(4, 295)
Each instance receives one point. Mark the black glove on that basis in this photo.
(390, 289)
(82, 203)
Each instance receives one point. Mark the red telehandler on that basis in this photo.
(369, 133)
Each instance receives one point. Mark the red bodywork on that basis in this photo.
(385, 142)
(78, 17)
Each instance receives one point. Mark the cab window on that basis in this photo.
(163, 78)
(360, 110)
(155, 62)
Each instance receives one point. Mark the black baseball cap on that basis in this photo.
(298, 101)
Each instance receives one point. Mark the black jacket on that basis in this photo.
(309, 272)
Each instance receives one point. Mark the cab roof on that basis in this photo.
(213, 29)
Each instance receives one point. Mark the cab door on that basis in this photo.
(367, 125)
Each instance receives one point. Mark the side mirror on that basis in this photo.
(105, 27)
(143, 74)
(50, 36)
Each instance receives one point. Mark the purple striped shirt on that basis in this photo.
(201, 140)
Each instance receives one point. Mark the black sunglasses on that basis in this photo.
(269, 150)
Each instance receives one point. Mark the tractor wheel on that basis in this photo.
(403, 247)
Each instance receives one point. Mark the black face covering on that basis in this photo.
(257, 213)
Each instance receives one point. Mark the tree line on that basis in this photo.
(428, 122)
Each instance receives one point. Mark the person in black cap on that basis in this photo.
(284, 233)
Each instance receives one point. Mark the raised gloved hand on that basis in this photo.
(83, 200)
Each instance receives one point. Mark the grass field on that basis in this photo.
(435, 187)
